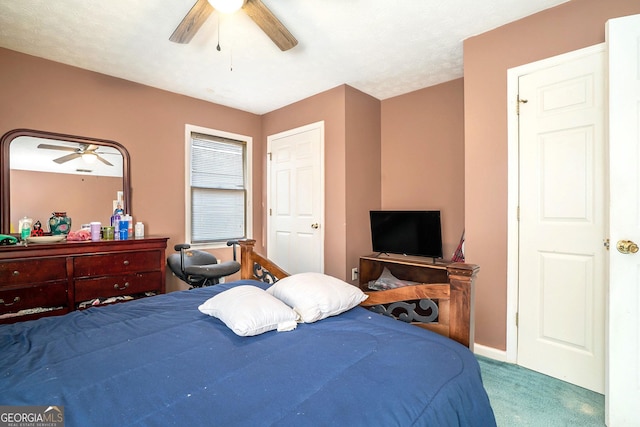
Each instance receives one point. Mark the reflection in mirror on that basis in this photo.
(44, 173)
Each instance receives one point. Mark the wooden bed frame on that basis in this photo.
(455, 297)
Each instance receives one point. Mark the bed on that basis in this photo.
(162, 361)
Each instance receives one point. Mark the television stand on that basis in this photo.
(404, 267)
(406, 257)
(452, 284)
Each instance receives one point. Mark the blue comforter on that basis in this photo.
(159, 361)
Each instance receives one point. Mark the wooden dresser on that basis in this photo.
(38, 280)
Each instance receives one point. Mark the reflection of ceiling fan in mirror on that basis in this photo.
(87, 152)
(256, 10)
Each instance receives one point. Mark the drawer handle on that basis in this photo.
(7, 304)
(118, 287)
(16, 273)
(126, 262)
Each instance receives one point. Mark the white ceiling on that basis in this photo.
(381, 47)
(25, 155)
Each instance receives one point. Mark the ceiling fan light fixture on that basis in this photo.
(89, 157)
(227, 6)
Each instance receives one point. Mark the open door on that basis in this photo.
(562, 283)
(623, 391)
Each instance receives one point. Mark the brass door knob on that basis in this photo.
(315, 226)
(626, 247)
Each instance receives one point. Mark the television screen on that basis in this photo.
(407, 232)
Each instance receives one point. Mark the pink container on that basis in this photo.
(95, 231)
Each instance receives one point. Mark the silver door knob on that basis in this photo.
(315, 226)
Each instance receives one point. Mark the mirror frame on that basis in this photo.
(5, 167)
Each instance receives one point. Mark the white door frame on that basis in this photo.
(513, 184)
(317, 125)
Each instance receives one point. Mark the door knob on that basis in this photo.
(316, 226)
(626, 247)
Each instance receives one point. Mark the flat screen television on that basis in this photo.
(407, 232)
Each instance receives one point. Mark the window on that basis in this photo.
(218, 193)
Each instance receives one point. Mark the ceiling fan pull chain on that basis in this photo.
(218, 47)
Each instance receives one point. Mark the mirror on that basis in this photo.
(44, 172)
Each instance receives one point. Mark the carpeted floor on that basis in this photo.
(521, 397)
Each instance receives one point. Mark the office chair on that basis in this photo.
(200, 268)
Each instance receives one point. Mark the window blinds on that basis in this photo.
(218, 192)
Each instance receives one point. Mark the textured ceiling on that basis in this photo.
(383, 48)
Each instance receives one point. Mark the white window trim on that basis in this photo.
(188, 130)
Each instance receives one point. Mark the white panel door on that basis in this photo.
(562, 274)
(295, 199)
(623, 394)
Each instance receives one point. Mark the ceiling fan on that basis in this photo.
(86, 151)
(256, 10)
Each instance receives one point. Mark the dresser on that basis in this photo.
(38, 280)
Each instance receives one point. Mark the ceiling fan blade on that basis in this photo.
(192, 22)
(56, 147)
(272, 27)
(64, 159)
(103, 160)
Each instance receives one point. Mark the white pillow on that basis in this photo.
(248, 310)
(315, 296)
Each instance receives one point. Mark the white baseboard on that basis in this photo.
(490, 352)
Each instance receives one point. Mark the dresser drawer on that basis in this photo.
(24, 272)
(109, 286)
(117, 263)
(47, 295)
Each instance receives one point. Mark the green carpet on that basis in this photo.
(521, 397)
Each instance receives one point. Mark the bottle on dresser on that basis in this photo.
(116, 218)
(139, 230)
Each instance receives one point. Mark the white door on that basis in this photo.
(623, 394)
(295, 198)
(562, 257)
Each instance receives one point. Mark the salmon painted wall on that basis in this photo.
(328, 107)
(46, 95)
(487, 57)
(423, 155)
(150, 123)
(363, 163)
(351, 122)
